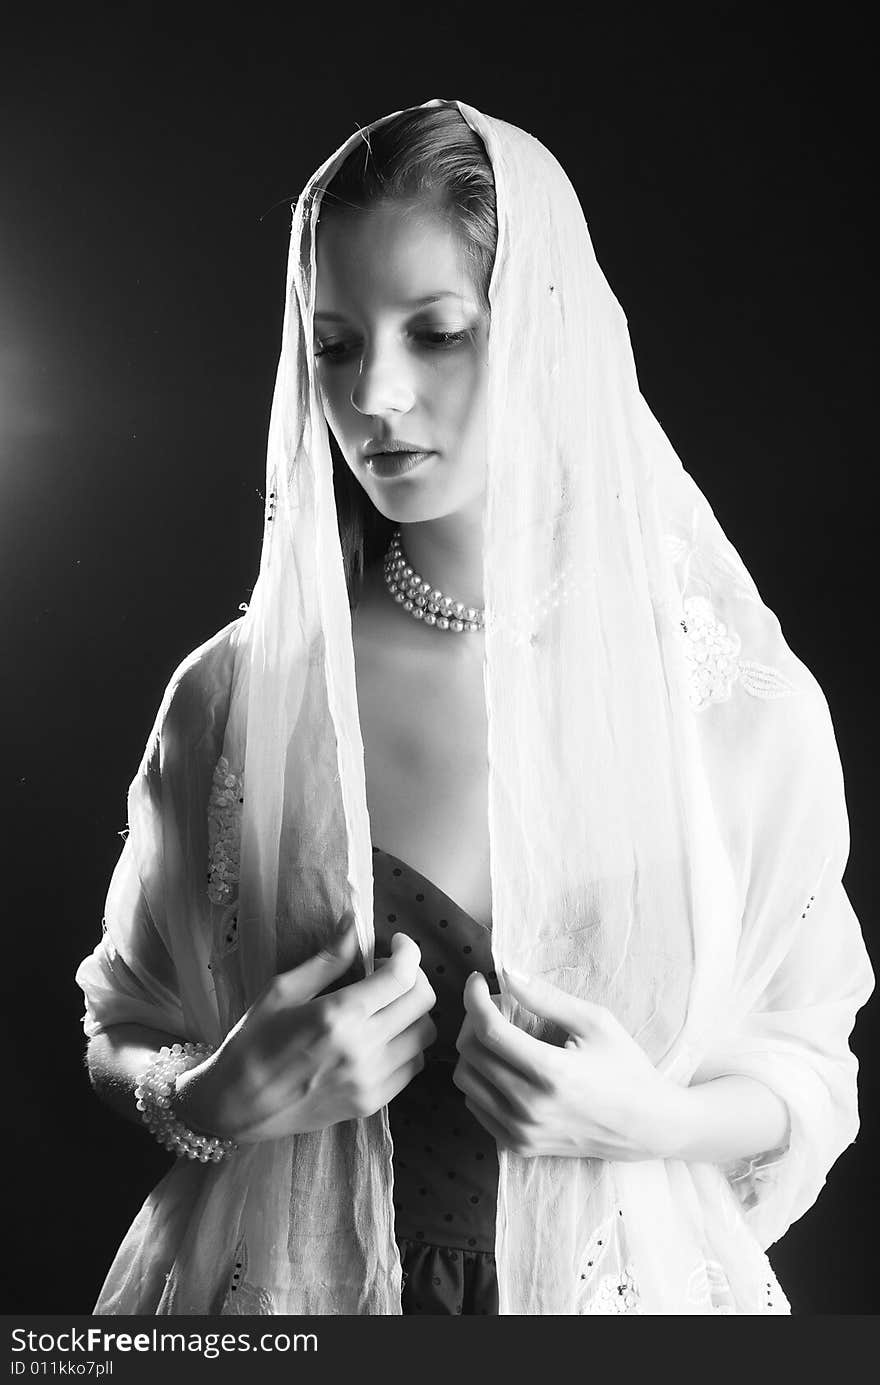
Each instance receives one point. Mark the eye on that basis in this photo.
(433, 340)
(444, 339)
(333, 351)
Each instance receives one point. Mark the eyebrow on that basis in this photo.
(410, 303)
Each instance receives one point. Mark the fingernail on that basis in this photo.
(516, 975)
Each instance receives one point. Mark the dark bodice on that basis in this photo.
(445, 1162)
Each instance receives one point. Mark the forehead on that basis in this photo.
(388, 256)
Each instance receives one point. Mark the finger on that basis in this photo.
(419, 1036)
(307, 980)
(401, 1077)
(573, 1014)
(474, 1084)
(386, 983)
(499, 1035)
(394, 1018)
(503, 1138)
(520, 1087)
(518, 1091)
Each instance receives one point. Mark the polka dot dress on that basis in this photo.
(445, 1164)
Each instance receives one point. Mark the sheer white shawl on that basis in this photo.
(667, 823)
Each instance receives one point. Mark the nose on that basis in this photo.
(384, 382)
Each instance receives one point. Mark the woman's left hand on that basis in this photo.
(599, 1096)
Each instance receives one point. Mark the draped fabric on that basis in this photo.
(667, 825)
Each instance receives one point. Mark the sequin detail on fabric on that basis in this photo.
(224, 832)
(243, 1298)
(711, 652)
(598, 1247)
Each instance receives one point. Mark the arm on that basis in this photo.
(117, 1056)
(600, 1096)
(727, 1118)
(293, 1063)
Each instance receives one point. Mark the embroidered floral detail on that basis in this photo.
(224, 831)
(610, 1292)
(709, 1288)
(724, 563)
(711, 653)
(761, 681)
(616, 1293)
(248, 1300)
(708, 1291)
(676, 547)
(243, 1298)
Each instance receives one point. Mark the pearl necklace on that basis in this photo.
(421, 600)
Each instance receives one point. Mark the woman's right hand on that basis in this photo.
(298, 1060)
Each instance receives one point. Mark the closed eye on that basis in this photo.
(433, 341)
(446, 338)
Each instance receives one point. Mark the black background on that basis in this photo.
(722, 155)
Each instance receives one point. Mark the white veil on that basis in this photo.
(667, 825)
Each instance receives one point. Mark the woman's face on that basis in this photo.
(401, 343)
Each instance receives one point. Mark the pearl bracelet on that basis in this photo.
(154, 1091)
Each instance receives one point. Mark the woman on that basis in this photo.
(511, 689)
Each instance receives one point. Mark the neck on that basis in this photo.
(448, 553)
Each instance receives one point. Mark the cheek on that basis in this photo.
(336, 400)
(459, 397)
(468, 402)
(328, 387)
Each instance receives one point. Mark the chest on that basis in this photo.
(423, 723)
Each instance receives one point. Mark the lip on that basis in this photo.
(384, 445)
(396, 463)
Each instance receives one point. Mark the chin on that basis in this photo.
(407, 500)
(411, 510)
